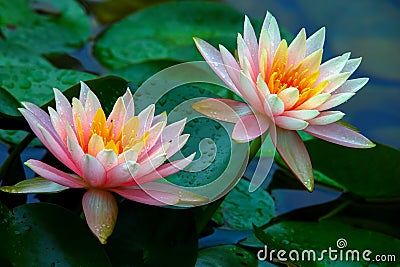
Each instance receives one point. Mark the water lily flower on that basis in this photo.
(286, 86)
(121, 154)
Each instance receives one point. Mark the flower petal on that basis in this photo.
(63, 106)
(251, 40)
(249, 92)
(327, 117)
(146, 118)
(352, 65)
(93, 171)
(117, 116)
(214, 60)
(340, 135)
(290, 123)
(272, 28)
(335, 81)
(122, 173)
(231, 67)
(292, 150)
(54, 174)
(275, 104)
(149, 197)
(107, 158)
(297, 49)
(166, 170)
(34, 186)
(92, 104)
(249, 127)
(101, 212)
(95, 145)
(222, 109)
(314, 101)
(332, 67)
(315, 42)
(129, 105)
(83, 93)
(301, 114)
(129, 155)
(351, 86)
(150, 165)
(335, 100)
(177, 144)
(289, 96)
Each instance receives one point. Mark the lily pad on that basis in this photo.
(44, 234)
(152, 236)
(308, 238)
(370, 173)
(165, 32)
(36, 85)
(226, 256)
(59, 26)
(241, 209)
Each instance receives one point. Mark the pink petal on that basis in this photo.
(351, 86)
(250, 93)
(58, 125)
(154, 134)
(107, 158)
(314, 101)
(129, 155)
(341, 135)
(312, 62)
(95, 145)
(244, 53)
(92, 104)
(301, 114)
(249, 127)
(222, 109)
(315, 42)
(232, 68)
(297, 49)
(146, 118)
(129, 105)
(327, 117)
(177, 144)
(117, 116)
(335, 100)
(55, 175)
(292, 150)
(93, 171)
(63, 106)
(150, 165)
(335, 81)
(214, 60)
(80, 118)
(332, 66)
(122, 173)
(290, 123)
(101, 212)
(76, 153)
(166, 170)
(162, 117)
(149, 197)
(352, 65)
(251, 41)
(58, 150)
(83, 93)
(272, 28)
(275, 104)
(37, 116)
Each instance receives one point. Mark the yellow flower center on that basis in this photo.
(303, 76)
(102, 135)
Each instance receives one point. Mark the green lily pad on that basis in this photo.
(152, 236)
(318, 236)
(226, 256)
(60, 26)
(36, 85)
(165, 32)
(44, 234)
(370, 173)
(241, 209)
(13, 55)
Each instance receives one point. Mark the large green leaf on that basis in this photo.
(166, 31)
(306, 236)
(370, 173)
(226, 256)
(8, 104)
(152, 236)
(13, 55)
(36, 85)
(241, 209)
(43, 234)
(59, 27)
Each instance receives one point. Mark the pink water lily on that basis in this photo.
(286, 86)
(123, 153)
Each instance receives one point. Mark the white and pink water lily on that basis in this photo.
(123, 154)
(286, 86)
